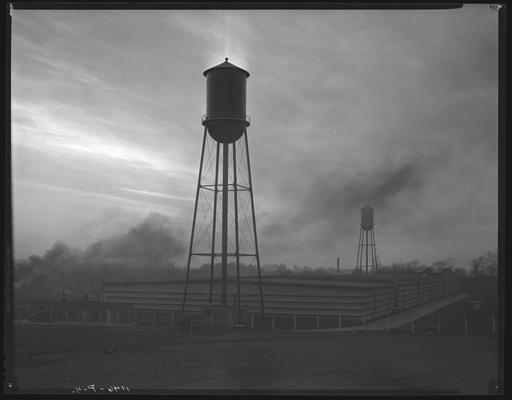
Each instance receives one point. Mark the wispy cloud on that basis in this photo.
(102, 198)
(155, 194)
(54, 133)
(54, 64)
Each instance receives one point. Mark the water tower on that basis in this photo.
(228, 194)
(366, 252)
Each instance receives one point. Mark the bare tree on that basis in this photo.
(492, 262)
(486, 264)
(444, 266)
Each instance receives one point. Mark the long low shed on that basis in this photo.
(346, 296)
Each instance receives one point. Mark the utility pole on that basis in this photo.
(338, 266)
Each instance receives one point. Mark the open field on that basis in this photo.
(63, 357)
(273, 360)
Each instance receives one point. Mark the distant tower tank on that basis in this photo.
(225, 116)
(366, 251)
(366, 218)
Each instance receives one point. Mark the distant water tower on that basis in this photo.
(366, 252)
(226, 122)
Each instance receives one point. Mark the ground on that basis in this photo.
(267, 360)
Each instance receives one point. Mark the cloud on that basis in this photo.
(52, 132)
(98, 197)
(154, 194)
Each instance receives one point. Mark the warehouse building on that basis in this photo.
(312, 301)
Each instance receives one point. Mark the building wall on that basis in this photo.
(360, 298)
(351, 298)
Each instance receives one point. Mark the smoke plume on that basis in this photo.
(150, 243)
(329, 198)
(148, 251)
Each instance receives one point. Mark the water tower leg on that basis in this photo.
(254, 225)
(214, 222)
(193, 222)
(237, 242)
(225, 193)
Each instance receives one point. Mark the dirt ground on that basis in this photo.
(273, 361)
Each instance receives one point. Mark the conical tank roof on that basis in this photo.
(226, 64)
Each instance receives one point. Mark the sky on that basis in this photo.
(395, 109)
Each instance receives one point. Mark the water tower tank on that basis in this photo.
(366, 218)
(225, 116)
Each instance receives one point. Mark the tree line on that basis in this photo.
(483, 265)
(69, 271)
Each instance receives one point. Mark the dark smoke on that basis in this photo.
(382, 186)
(331, 200)
(148, 251)
(60, 255)
(151, 243)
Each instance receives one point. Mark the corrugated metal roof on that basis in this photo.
(273, 280)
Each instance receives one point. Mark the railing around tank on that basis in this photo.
(244, 118)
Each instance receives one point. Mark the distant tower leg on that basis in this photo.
(360, 251)
(366, 251)
(375, 250)
(372, 252)
(194, 222)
